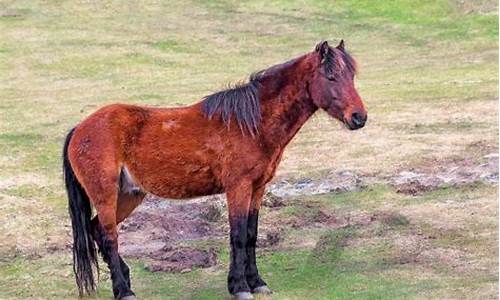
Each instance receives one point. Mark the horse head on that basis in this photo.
(332, 85)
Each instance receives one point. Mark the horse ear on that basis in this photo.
(341, 45)
(322, 48)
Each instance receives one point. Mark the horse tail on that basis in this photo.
(80, 211)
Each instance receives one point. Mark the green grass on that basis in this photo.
(428, 76)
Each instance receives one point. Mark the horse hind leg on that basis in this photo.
(99, 237)
(106, 236)
(102, 190)
(129, 197)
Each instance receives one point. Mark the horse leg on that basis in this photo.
(238, 200)
(127, 202)
(102, 190)
(109, 249)
(255, 282)
(98, 235)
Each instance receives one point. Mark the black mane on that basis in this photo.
(242, 101)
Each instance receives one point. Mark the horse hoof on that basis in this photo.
(131, 297)
(262, 290)
(243, 296)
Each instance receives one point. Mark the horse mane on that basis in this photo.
(241, 101)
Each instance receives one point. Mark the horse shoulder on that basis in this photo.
(253, 161)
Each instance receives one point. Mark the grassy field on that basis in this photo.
(428, 76)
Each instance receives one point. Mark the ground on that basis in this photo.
(407, 207)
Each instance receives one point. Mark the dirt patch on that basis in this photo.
(413, 188)
(431, 174)
(270, 238)
(156, 228)
(344, 181)
(182, 259)
(324, 217)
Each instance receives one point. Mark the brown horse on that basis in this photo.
(231, 142)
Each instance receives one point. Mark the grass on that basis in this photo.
(344, 263)
(428, 76)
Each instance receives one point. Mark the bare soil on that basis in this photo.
(453, 172)
(182, 259)
(154, 231)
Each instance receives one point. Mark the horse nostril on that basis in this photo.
(357, 119)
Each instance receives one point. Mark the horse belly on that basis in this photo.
(178, 181)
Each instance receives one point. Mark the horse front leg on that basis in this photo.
(255, 282)
(239, 198)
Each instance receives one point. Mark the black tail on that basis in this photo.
(80, 211)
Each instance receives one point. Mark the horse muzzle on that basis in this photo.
(356, 121)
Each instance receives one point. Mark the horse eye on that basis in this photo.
(331, 78)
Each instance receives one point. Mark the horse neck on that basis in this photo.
(287, 108)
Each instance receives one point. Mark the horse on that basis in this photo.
(230, 142)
